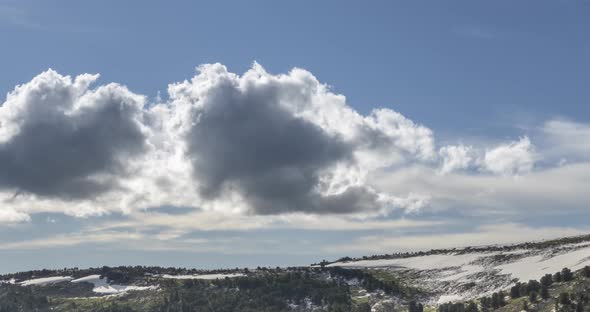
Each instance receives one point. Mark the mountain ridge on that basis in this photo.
(448, 279)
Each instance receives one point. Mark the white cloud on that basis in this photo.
(485, 235)
(247, 146)
(58, 139)
(511, 159)
(283, 143)
(11, 216)
(566, 139)
(455, 157)
(257, 143)
(550, 192)
(72, 239)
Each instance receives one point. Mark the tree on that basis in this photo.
(533, 286)
(557, 277)
(495, 301)
(586, 271)
(502, 298)
(544, 292)
(363, 307)
(532, 296)
(515, 291)
(415, 307)
(486, 303)
(471, 307)
(546, 280)
(388, 307)
(564, 298)
(566, 275)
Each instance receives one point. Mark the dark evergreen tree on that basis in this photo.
(363, 307)
(566, 275)
(547, 280)
(486, 304)
(495, 301)
(532, 296)
(544, 292)
(502, 298)
(415, 307)
(533, 286)
(564, 298)
(515, 291)
(471, 307)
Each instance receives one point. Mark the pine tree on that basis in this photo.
(515, 291)
(415, 307)
(564, 298)
(546, 280)
(544, 292)
(495, 301)
(566, 275)
(471, 307)
(533, 296)
(502, 298)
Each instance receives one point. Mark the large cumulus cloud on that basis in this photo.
(60, 139)
(285, 143)
(255, 143)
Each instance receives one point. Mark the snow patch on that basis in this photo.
(464, 275)
(102, 287)
(526, 269)
(46, 280)
(203, 276)
(449, 298)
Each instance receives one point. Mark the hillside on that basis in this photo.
(483, 278)
(467, 273)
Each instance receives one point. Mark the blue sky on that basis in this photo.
(500, 88)
(428, 60)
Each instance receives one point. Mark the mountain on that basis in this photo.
(472, 272)
(542, 276)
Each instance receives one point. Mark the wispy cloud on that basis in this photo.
(15, 15)
(484, 235)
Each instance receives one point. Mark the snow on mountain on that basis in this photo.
(465, 274)
(100, 284)
(202, 276)
(10, 281)
(46, 280)
(102, 287)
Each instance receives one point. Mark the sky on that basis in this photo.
(245, 133)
